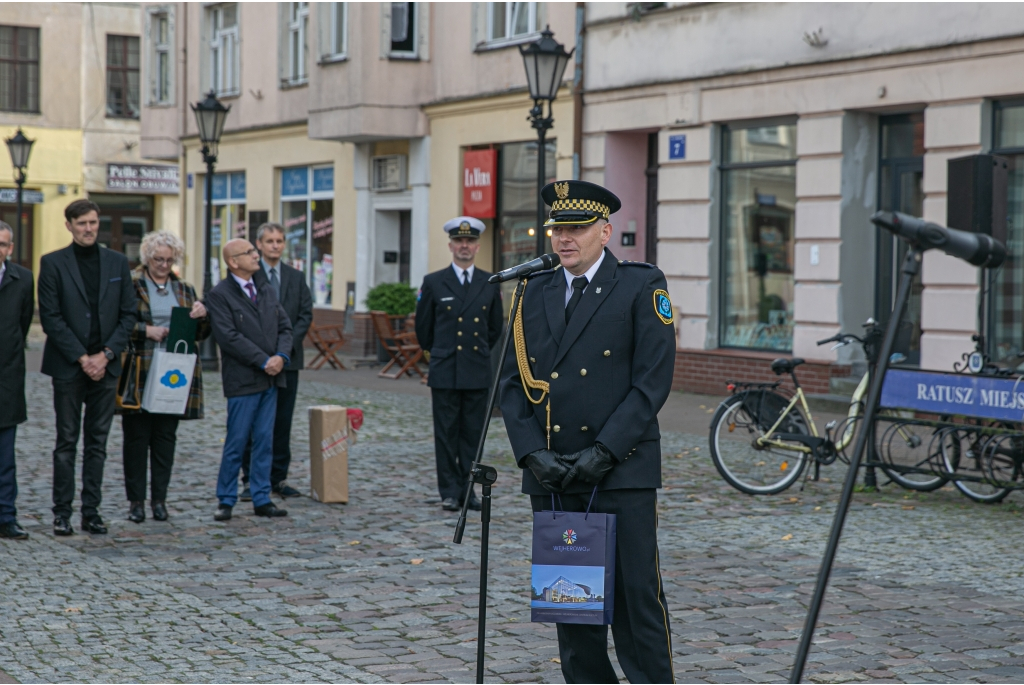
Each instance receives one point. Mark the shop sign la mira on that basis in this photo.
(143, 178)
(479, 170)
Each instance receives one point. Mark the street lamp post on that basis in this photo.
(20, 147)
(210, 117)
(545, 61)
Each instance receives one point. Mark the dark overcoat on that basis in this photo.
(458, 326)
(17, 301)
(610, 370)
(248, 334)
(298, 305)
(64, 310)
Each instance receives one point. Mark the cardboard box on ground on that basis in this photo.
(332, 431)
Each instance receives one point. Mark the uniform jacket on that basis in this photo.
(64, 310)
(459, 328)
(248, 334)
(610, 370)
(17, 302)
(298, 305)
(186, 296)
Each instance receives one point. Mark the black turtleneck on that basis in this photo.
(88, 259)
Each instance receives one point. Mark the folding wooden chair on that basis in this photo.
(402, 347)
(327, 340)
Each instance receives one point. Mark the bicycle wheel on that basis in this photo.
(962, 454)
(909, 453)
(746, 466)
(1002, 459)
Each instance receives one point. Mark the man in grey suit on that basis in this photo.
(292, 292)
(255, 338)
(87, 308)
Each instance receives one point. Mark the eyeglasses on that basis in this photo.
(162, 262)
(252, 251)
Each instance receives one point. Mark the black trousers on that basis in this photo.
(149, 441)
(68, 398)
(643, 642)
(282, 432)
(458, 420)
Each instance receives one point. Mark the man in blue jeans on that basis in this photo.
(253, 332)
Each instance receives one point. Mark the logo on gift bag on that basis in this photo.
(173, 379)
(569, 536)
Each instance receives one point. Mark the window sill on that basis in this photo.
(22, 111)
(404, 56)
(122, 118)
(501, 43)
(290, 85)
(160, 105)
(229, 94)
(333, 59)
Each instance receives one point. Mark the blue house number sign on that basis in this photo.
(677, 147)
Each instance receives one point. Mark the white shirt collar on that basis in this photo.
(591, 272)
(459, 270)
(242, 284)
(3, 270)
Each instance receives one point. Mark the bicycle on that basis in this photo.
(761, 441)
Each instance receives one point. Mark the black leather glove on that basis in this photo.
(591, 465)
(549, 467)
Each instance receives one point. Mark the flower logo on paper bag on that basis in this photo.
(569, 536)
(173, 379)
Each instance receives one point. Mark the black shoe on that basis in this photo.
(62, 526)
(270, 509)
(12, 531)
(474, 503)
(450, 504)
(159, 511)
(137, 514)
(246, 496)
(285, 490)
(223, 513)
(94, 526)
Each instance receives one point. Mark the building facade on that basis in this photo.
(749, 168)
(85, 124)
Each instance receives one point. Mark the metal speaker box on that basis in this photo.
(976, 197)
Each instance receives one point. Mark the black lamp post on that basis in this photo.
(20, 148)
(545, 61)
(210, 117)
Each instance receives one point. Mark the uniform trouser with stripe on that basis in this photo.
(643, 642)
(458, 419)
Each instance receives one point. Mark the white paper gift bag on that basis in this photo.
(169, 381)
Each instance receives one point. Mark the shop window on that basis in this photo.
(511, 20)
(228, 216)
(19, 69)
(123, 77)
(296, 71)
(759, 199)
(900, 172)
(160, 34)
(403, 29)
(307, 214)
(124, 221)
(1006, 335)
(222, 21)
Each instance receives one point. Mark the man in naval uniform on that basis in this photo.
(596, 336)
(458, 320)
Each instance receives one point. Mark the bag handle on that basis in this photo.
(553, 510)
(180, 342)
(592, 496)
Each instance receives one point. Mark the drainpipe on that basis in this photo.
(577, 93)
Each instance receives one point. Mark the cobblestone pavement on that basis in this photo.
(928, 588)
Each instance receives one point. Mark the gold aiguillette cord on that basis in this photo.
(525, 375)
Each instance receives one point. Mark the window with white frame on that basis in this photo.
(511, 20)
(339, 30)
(161, 56)
(298, 45)
(403, 29)
(307, 214)
(224, 61)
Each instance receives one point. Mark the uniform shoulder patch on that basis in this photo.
(663, 306)
(626, 262)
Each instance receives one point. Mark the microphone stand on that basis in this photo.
(911, 265)
(485, 476)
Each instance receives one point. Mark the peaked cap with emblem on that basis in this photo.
(464, 227)
(578, 203)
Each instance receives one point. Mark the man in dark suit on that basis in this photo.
(458, 320)
(17, 302)
(595, 346)
(87, 308)
(292, 292)
(255, 338)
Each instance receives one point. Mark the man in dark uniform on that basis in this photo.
(458, 320)
(596, 335)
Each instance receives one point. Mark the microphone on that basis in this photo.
(542, 263)
(974, 248)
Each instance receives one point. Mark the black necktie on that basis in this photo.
(275, 283)
(465, 280)
(578, 284)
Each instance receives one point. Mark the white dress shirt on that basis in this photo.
(459, 271)
(591, 272)
(242, 284)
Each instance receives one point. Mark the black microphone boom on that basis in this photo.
(542, 263)
(975, 248)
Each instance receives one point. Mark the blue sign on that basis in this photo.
(191, 180)
(295, 181)
(985, 397)
(677, 147)
(323, 180)
(238, 185)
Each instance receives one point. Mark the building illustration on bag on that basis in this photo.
(564, 591)
(580, 586)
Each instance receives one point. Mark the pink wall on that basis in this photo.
(625, 159)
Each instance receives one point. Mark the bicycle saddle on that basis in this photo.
(781, 366)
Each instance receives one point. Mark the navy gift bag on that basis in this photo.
(573, 567)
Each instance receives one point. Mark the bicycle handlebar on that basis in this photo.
(840, 337)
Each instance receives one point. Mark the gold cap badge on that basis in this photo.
(562, 190)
